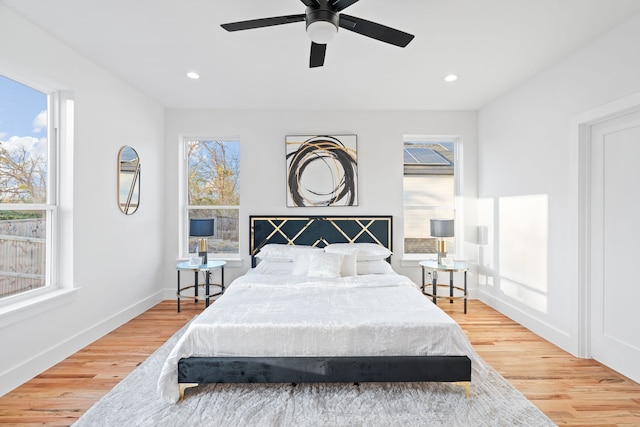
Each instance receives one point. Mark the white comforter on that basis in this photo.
(366, 315)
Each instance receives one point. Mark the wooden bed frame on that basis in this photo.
(321, 231)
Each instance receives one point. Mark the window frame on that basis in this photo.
(458, 207)
(184, 208)
(51, 205)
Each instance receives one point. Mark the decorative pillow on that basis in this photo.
(374, 267)
(349, 263)
(366, 251)
(277, 252)
(325, 265)
(301, 263)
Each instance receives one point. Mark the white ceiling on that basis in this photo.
(493, 45)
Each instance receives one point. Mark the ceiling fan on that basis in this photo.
(323, 18)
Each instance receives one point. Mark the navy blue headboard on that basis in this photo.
(318, 230)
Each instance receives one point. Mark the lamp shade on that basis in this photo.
(441, 227)
(201, 227)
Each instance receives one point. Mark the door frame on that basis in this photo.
(582, 126)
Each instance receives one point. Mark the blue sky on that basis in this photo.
(22, 115)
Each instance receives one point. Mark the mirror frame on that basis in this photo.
(128, 180)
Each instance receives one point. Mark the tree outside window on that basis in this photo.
(24, 205)
(213, 191)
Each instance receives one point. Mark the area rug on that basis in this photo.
(134, 402)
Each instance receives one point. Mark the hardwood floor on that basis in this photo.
(569, 390)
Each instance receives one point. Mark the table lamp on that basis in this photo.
(201, 228)
(441, 228)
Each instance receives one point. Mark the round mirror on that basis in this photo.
(128, 180)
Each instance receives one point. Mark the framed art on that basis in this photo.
(322, 170)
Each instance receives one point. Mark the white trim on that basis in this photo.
(530, 321)
(182, 194)
(64, 252)
(584, 242)
(581, 126)
(48, 357)
(23, 306)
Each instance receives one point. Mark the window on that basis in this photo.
(211, 189)
(27, 189)
(431, 190)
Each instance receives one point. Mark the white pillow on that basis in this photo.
(278, 252)
(374, 267)
(303, 259)
(301, 263)
(366, 251)
(349, 263)
(322, 264)
(270, 267)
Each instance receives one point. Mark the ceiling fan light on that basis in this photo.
(321, 32)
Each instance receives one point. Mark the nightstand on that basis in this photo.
(207, 268)
(434, 267)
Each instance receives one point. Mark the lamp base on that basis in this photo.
(203, 257)
(202, 251)
(442, 250)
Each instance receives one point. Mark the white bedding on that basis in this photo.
(365, 315)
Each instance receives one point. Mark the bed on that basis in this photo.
(322, 305)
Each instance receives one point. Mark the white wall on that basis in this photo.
(113, 260)
(262, 135)
(528, 182)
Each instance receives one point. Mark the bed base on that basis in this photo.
(194, 371)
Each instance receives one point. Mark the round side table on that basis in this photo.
(211, 265)
(434, 267)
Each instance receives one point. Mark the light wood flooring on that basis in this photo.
(569, 390)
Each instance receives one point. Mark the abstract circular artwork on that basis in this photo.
(322, 170)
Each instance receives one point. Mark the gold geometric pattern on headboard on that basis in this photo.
(318, 230)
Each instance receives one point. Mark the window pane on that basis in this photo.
(24, 168)
(214, 173)
(226, 230)
(22, 251)
(213, 191)
(417, 231)
(429, 192)
(23, 143)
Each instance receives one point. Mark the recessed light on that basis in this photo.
(450, 78)
(193, 75)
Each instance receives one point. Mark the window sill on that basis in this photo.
(25, 308)
(411, 260)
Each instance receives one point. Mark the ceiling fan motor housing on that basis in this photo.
(322, 13)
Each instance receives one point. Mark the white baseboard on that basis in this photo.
(536, 325)
(28, 369)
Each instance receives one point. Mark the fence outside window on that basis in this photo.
(22, 255)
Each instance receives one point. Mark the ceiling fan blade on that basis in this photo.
(263, 22)
(309, 3)
(340, 5)
(375, 31)
(317, 55)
